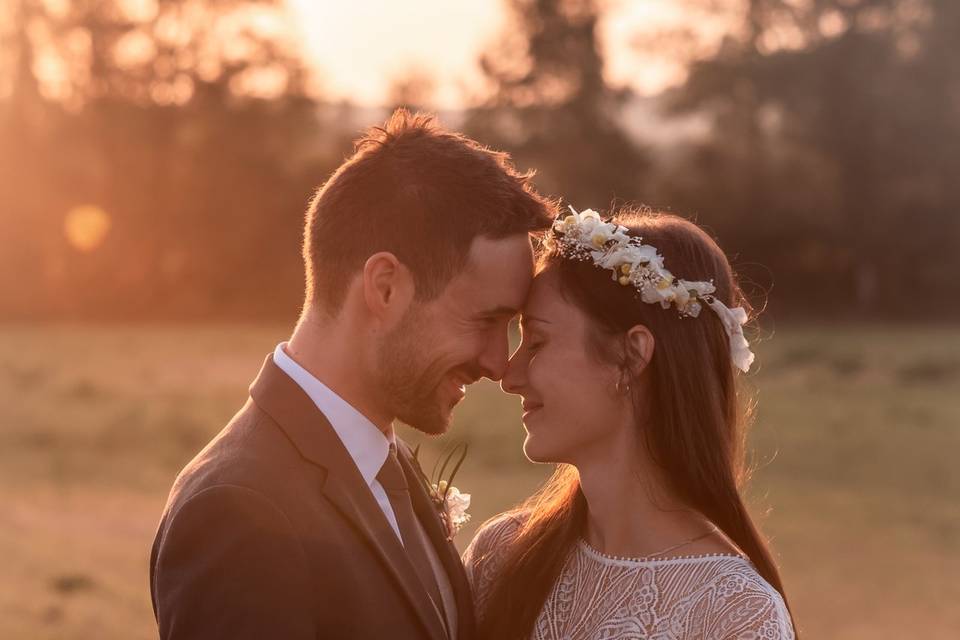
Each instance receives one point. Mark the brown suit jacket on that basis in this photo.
(271, 532)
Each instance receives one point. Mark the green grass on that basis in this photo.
(855, 440)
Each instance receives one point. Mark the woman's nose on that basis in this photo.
(514, 375)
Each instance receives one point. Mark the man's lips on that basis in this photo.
(459, 383)
(462, 381)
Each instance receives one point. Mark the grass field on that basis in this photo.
(856, 439)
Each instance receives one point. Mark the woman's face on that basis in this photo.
(573, 410)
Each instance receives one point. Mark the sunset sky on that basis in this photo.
(360, 46)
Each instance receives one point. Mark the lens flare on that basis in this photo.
(86, 226)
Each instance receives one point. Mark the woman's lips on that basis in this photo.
(530, 408)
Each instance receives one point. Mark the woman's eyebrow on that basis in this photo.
(526, 319)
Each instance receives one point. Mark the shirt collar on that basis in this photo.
(366, 444)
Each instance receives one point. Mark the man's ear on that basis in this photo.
(388, 287)
(640, 345)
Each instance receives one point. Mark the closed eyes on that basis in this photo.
(533, 347)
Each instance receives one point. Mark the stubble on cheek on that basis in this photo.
(421, 400)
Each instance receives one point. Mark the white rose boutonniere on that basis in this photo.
(453, 506)
(450, 502)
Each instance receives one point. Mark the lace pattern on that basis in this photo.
(707, 597)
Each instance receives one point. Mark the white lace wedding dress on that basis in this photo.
(706, 597)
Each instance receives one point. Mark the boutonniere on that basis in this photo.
(450, 503)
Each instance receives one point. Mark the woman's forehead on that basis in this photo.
(544, 298)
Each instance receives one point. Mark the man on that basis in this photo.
(306, 517)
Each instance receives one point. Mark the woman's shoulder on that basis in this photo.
(502, 525)
(494, 534)
(484, 556)
(745, 603)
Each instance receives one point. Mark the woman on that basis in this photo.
(628, 380)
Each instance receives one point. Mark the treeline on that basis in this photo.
(157, 165)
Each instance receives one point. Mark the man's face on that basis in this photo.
(460, 336)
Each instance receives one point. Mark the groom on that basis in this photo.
(306, 517)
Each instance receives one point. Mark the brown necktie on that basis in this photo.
(393, 481)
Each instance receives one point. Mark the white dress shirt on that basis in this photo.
(366, 444)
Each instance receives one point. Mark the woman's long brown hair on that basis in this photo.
(696, 420)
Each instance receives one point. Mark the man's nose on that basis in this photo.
(494, 358)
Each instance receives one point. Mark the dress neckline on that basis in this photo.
(648, 561)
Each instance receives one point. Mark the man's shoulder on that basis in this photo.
(250, 452)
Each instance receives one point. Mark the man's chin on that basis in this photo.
(430, 429)
(433, 430)
(432, 423)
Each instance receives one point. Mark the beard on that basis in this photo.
(409, 381)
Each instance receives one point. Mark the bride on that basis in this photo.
(628, 380)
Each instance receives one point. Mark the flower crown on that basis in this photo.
(585, 236)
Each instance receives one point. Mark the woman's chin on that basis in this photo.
(535, 451)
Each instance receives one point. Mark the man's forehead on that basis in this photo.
(497, 274)
(486, 255)
(483, 296)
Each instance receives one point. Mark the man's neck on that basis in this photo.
(332, 354)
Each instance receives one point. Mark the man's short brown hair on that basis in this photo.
(421, 193)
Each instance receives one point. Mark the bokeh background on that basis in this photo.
(156, 158)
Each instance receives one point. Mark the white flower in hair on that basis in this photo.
(581, 223)
(690, 293)
(701, 288)
(733, 321)
(659, 289)
(681, 295)
(602, 233)
(629, 254)
(585, 236)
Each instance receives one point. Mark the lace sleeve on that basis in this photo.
(483, 558)
(752, 610)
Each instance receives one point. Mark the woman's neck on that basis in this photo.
(631, 513)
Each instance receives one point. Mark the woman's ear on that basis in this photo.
(388, 287)
(639, 346)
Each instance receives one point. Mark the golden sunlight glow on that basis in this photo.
(86, 226)
(360, 47)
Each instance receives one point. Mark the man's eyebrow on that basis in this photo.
(502, 310)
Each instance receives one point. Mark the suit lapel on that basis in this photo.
(363, 511)
(427, 513)
(310, 432)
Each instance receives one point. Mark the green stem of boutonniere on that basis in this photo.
(453, 516)
(458, 451)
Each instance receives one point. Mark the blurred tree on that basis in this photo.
(412, 89)
(189, 125)
(551, 108)
(835, 131)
